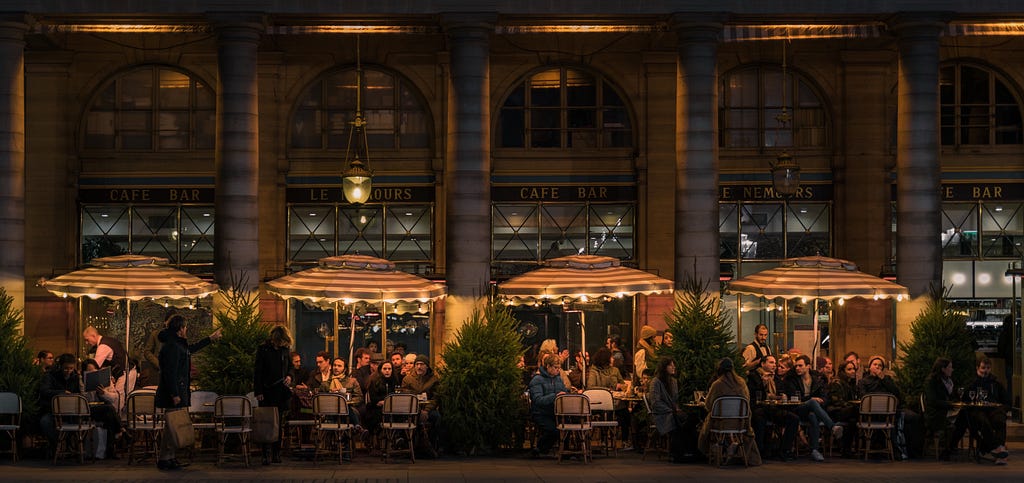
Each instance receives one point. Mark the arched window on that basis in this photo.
(152, 108)
(564, 108)
(751, 101)
(395, 115)
(978, 107)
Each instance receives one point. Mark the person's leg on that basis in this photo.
(790, 424)
(997, 421)
(759, 420)
(820, 412)
(813, 430)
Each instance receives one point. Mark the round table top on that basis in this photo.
(977, 404)
(774, 402)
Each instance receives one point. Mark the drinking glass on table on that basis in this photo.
(983, 395)
(973, 395)
(960, 393)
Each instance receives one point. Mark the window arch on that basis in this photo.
(152, 108)
(977, 107)
(395, 113)
(564, 108)
(753, 97)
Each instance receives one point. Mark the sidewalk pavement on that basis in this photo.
(627, 467)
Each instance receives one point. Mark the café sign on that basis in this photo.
(563, 193)
(379, 194)
(161, 195)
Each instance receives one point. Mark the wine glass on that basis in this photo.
(960, 393)
(982, 395)
(973, 395)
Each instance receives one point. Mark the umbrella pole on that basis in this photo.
(335, 331)
(817, 339)
(351, 336)
(583, 349)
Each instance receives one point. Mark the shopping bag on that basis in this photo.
(179, 428)
(265, 425)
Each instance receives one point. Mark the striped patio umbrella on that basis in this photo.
(583, 277)
(579, 276)
(130, 278)
(355, 278)
(347, 279)
(816, 277)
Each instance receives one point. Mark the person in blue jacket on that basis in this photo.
(544, 388)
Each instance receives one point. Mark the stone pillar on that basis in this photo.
(918, 215)
(696, 231)
(236, 241)
(12, 157)
(467, 176)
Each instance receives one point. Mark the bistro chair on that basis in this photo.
(144, 423)
(656, 442)
(73, 422)
(602, 407)
(201, 409)
(572, 418)
(10, 419)
(877, 415)
(399, 417)
(332, 417)
(232, 416)
(729, 421)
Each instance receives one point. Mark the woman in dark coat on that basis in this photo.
(383, 382)
(939, 396)
(175, 378)
(272, 383)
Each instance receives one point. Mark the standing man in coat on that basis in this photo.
(175, 379)
(272, 382)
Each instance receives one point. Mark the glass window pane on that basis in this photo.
(959, 230)
(563, 230)
(728, 234)
(379, 90)
(974, 86)
(742, 89)
(761, 235)
(611, 231)
(514, 233)
(206, 129)
(99, 130)
(174, 129)
(340, 91)
(545, 118)
(205, 97)
(107, 98)
(545, 139)
(311, 232)
(413, 130)
(155, 232)
(197, 230)
(137, 90)
(1002, 226)
(580, 89)
(104, 231)
(807, 230)
(511, 128)
(174, 89)
(610, 97)
(361, 231)
(582, 118)
(408, 233)
(545, 89)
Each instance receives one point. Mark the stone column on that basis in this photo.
(12, 157)
(236, 242)
(696, 203)
(918, 215)
(467, 166)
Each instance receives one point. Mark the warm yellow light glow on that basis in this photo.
(841, 301)
(351, 29)
(959, 278)
(899, 298)
(803, 300)
(578, 28)
(128, 28)
(583, 298)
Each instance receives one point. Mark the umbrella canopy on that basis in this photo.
(355, 278)
(129, 277)
(583, 275)
(816, 277)
(132, 278)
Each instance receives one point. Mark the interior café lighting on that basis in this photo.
(357, 180)
(785, 171)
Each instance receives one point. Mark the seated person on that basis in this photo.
(727, 384)
(877, 380)
(940, 416)
(669, 418)
(341, 383)
(104, 393)
(422, 381)
(384, 382)
(63, 378)
(544, 388)
(763, 384)
(842, 391)
(604, 375)
(990, 423)
(808, 386)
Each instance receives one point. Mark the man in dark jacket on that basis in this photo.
(175, 378)
(272, 382)
(989, 422)
(808, 386)
(63, 378)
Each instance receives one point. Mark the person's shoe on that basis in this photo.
(837, 432)
(627, 447)
(166, 465)
(178, 463)
(816, 456)
(1001, 461)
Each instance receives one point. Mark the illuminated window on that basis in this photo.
(751, 100)
(564, 108)
(152, 108)
(977, 107)
(773, 230)
(395, 115)
(181, 233)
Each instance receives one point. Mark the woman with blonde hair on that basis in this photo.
(272, 383)
(550, 347)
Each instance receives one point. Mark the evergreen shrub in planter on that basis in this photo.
(226, 366)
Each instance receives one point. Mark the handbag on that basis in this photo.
(266, 427)
(179, 428)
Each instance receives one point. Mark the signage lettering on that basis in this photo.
(333, 194)
(981, 191)
(808, 192)
(146, 195)
(564, 193)
(185, 194)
